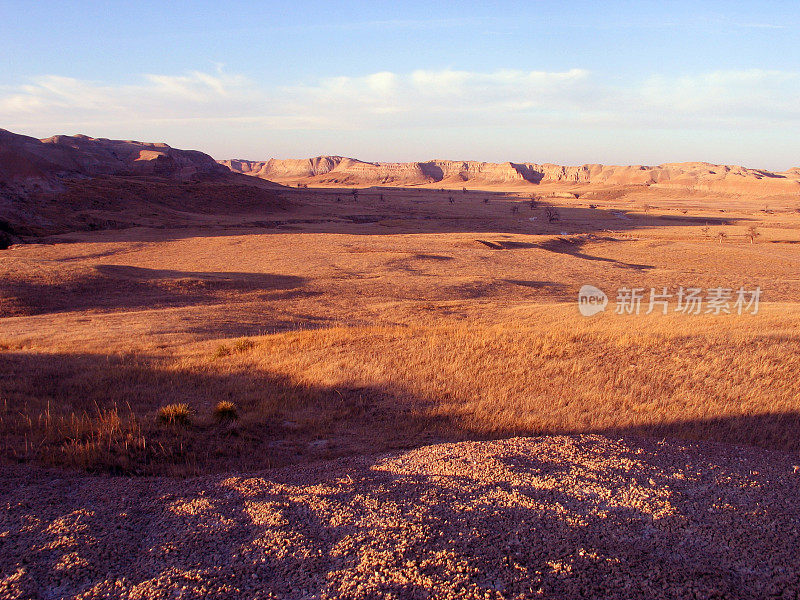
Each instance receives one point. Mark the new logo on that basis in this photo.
(591, 300)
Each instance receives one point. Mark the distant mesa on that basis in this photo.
(44, 164)
(66, 183)
(339, 170)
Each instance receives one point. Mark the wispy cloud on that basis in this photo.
(423, 98)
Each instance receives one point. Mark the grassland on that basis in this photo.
(388, 323)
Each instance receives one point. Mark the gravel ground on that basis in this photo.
(553, 517)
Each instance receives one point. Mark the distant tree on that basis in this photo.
(464, 190)
(553, 215)
(752, 233)
(452, 200)
(705, 229)
(721, 236)
(646, 208)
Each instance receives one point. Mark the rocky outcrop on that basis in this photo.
(27, 162)
(338, 170)
(69, 183)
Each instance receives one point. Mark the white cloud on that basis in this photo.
(511, 99)
(746, 94)
(55, 99)
(422, 92)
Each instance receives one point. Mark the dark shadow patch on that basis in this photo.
(440, 257)
(124, 287)
(539, 285)
(573, 247)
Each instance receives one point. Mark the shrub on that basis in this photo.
(553, 215)
(175, 414)
(222, 350)
(226, 411)
(243, 345)
(239, 347)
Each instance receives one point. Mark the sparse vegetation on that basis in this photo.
(226, 411)
(752, 233)
(237, 347)
(222, 350)
(175, 414)
(552, 214)
(243, 345)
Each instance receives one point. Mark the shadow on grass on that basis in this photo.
(112, 287)
(563, 245)
(379, 211)
(98, 412)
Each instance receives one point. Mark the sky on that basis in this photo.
(564, 82)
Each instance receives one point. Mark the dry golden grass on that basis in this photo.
(175, 414)
(226, 411)
(374, 388)
(334, 339)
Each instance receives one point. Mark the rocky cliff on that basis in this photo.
(338, 170)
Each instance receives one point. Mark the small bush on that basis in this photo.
(175, 414)
(244, 345)
(239, 347)
(222, 350)
(226, 411)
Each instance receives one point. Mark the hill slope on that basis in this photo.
(64, 183)
(27, 161)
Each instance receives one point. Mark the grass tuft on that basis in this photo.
(226, 411)
(175, 414)
(239, 347)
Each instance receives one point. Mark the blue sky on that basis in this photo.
(566, 82)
